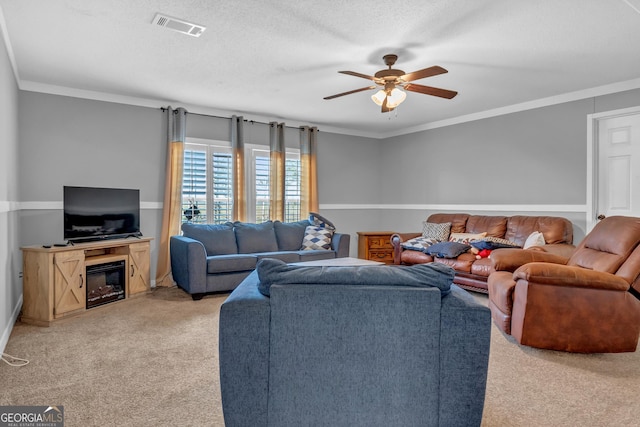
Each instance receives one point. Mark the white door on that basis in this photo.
(618, 165)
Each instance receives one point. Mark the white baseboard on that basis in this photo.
(4, 339)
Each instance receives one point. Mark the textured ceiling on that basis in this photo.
(276, 60)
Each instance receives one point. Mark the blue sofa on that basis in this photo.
(214, 258)
(352, 346)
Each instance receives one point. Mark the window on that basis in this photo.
(207, 186)
(258, 191)
(257, 167)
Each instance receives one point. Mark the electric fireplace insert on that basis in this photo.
(105, 283)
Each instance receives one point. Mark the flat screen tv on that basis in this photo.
(92, 213)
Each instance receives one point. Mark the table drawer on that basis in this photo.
(380, 242)
(382, 256)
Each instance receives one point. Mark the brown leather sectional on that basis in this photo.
(472, 273)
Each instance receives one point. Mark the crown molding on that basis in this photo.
(530, 105)
(8, 47)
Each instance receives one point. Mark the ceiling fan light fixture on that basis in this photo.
(396, 97)
(379, 97)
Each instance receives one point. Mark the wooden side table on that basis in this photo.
(375, 246)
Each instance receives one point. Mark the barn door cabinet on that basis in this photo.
(55, 278)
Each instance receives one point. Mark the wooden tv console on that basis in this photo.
(54, 278)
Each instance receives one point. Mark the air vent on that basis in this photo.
(178, 25)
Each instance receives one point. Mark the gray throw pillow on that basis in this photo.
(447, 249)
(492, 243)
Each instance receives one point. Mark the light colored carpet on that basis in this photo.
(152, 361)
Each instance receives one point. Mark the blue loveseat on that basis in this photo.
(214, 258)
(352, 346)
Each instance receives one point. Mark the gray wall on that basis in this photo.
(533, 157)
(71, 141)
(10, 257)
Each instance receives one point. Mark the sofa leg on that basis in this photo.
(197, 297)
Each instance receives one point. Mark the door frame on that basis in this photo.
(593, 159)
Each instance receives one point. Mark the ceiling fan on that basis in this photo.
(392, 80)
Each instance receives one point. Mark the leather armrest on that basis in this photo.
(562, 249)
(565, 275)
(396, 241)
(511, 259)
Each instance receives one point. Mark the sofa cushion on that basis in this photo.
(492, 243)
(254, 238)
(286, 256)
(495, 226)
(414, 257)
(289, 235)
(458, 220)
(315, 255)
(231, 263)
(217, 239)
(447, 249)
(481, 267)
(317, 237)
(554, 229)
(272, 272)
(436, 231)
(462, 262)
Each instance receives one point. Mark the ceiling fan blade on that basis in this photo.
(353, 73)
(421, 74)
(428, 90)
(350, 92)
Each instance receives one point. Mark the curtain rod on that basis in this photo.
(246, 120)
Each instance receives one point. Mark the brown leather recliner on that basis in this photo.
(588, 303)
